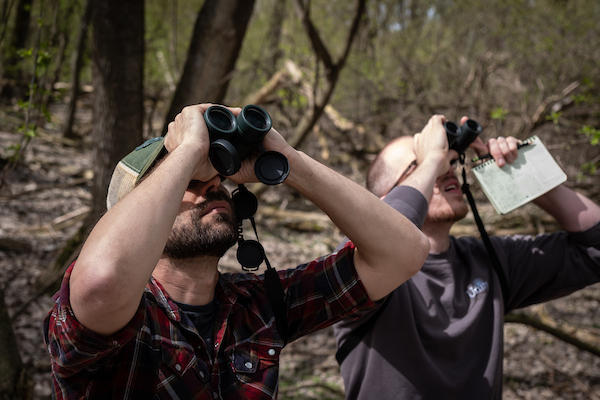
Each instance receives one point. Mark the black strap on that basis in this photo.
(357, 335)
(276, 298)
(275, 294)
(486, 240)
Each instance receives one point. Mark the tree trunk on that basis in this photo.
(118, 56)
(59, 41)
(273, 39)
(20, 32)
(214, 49)
(13, 72)
(76, 64)
(15, 381)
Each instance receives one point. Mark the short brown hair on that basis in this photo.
(383, 175)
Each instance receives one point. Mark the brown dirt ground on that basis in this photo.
(55, 182)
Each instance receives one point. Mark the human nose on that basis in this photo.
(451, 168)
(200, 188)
(449, 171)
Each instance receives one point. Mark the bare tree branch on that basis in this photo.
(541, 320)
(332, 69)
(320, 48)
(543, 109)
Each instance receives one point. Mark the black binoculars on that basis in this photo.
(459, 138)
(233, 139)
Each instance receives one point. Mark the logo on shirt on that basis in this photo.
(478, 286)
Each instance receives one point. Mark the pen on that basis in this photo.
(488, 155)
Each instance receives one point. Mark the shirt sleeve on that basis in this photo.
(74, 348)
(323, 292)
(408, 201)
(549, 266)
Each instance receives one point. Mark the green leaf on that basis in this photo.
(592, 133)
(499, 113)
(30, 133)
(554, 116)
(25, 53)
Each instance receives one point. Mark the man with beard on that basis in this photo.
(144, 312)
(440, 334)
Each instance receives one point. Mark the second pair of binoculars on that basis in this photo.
(459, 138)
(232, 139)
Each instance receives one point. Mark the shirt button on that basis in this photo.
(215, 395)
(271, 352)
(248, 364)
(178, 367)
(202, 374)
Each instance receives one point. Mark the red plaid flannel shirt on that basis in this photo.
(160, 354)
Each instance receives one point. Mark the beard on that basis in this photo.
(447, 213)
(447, 216)
(198, 238)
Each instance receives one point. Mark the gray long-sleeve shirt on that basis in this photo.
(440, 335)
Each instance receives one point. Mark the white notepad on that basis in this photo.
(533, 173)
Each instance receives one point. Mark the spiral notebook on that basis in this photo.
(533, 173)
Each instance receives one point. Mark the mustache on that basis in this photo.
(209, 197)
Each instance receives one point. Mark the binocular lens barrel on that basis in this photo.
(468, 133)
(233, 139)
(473, 126)
(257, 119)
(224, 157)
(253, 124)
(220, 119)
(451, 132)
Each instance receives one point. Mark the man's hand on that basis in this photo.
(189, 129)
(503, 150)
(431, 145)
(273, 141)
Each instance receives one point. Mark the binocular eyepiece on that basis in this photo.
(459, 138)
(233, 139)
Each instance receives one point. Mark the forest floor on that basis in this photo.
(47, 197)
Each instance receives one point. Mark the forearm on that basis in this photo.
(572, 210)
(122, 250)
(390, 248)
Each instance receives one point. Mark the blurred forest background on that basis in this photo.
(82, 83)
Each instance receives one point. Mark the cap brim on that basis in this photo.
(132, 168)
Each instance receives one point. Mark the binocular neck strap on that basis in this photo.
(275, 294)
(486, 240)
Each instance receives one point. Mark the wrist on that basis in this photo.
(434, 161)
(190, 157)
(296, 159)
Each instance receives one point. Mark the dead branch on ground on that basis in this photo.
(538, 318)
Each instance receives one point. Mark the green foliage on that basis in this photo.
(39, 58)
(583, 98)
(589, 168)
(25, 53)
(499, 114)
(554, 116)
(588, 96)
(292, 100)
(592, 133)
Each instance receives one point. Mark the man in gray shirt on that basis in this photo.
(440, 334)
